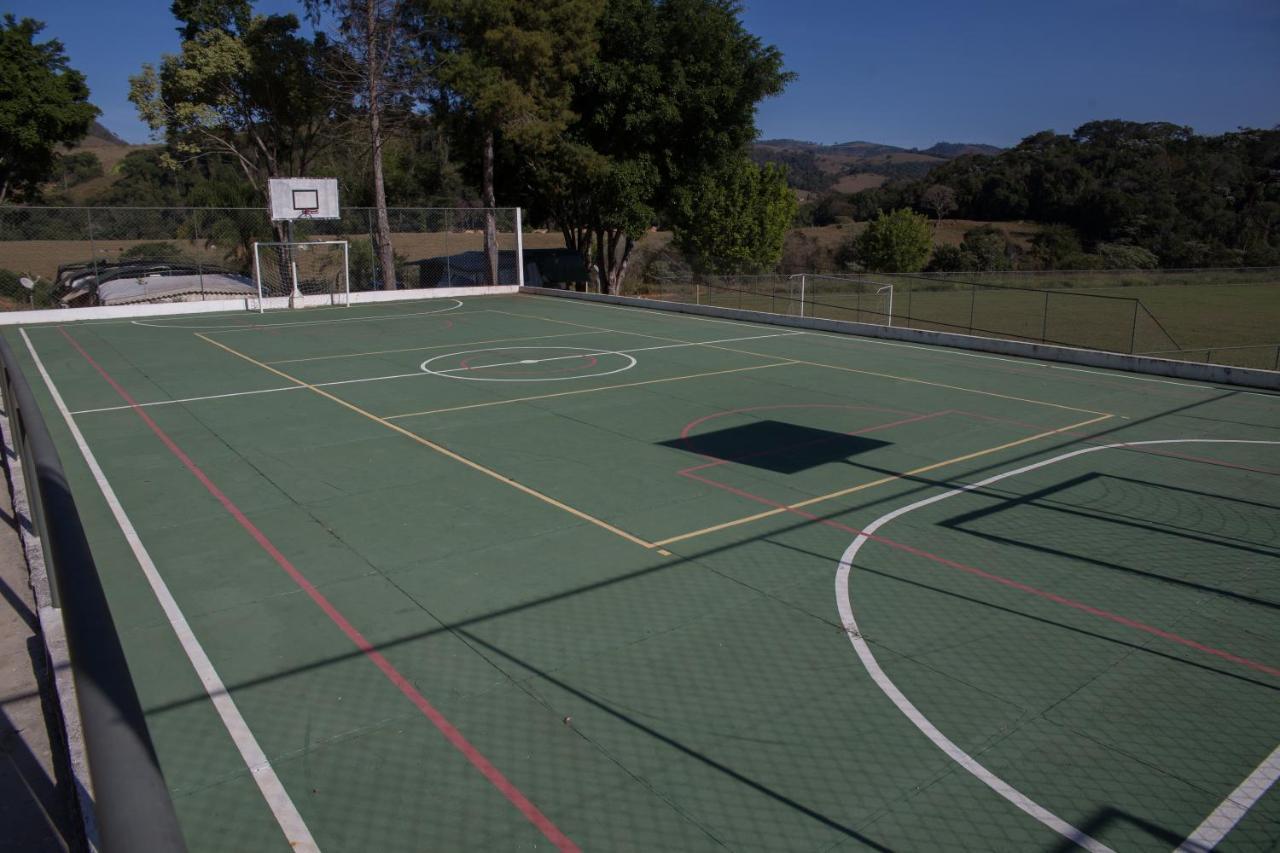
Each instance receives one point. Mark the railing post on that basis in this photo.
(519, 249)
(802, 294)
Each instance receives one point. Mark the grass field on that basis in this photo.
(1224, 316)
(519, 572)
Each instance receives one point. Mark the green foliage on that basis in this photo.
(946, 258)
(1188, 200)
(986, 248)
(71, 170)
(245, 87)
(510, 64)
(670, 96)
(734, 220)
(894, 242)
(1116, 256)
(983, 249)
(44, 104)
(803, 169)
(152, 252)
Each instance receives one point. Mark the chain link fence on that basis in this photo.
(52, 257)
(1065, 312)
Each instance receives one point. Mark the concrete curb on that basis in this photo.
(1222, 374)
(212, 306)
(52, 634)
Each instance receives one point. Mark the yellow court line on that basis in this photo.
(433, 346)
(457, 457)
(880, 482)
(587, 390)
(821, 364)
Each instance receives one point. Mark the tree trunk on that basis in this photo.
(613, 269)
(373, 68)
(490, 211)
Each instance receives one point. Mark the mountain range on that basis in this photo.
(849, 167)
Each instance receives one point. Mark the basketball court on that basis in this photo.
(509, 572)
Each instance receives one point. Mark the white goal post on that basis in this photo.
(302, 274)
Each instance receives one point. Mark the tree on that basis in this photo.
(894, 242)
(246, 87)
(44, 104)
(940, 199)
(377, 70)
(985, 248)
(508, 67)
(669, 97)
(735, 219)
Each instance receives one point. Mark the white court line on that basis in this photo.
(273, 791)
(1225, 816)
(1215, 827)
(417, 373)
(937, 348)
(586, 353)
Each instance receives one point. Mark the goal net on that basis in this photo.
(294, 275)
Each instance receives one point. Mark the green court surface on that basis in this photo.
(514, 572)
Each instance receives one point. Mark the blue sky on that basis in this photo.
(904, 74)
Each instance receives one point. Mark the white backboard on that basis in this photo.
(303, 198)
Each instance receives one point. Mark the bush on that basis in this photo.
(985, 249)
(1118, 256)
(946, 259)
(152, 252)
(894, 242)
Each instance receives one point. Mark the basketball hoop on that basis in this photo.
(308, 212)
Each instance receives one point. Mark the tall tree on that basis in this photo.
(670, 97)
(244, 86)
(378, 72)
(735, 219)
(44, 105)
(507, 67)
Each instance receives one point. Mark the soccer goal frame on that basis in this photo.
(296, 299)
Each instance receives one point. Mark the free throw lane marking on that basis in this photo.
(446, 728)
(438, 448)
(1230, 814)
(264, 775)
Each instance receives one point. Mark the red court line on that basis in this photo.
(1004, 581)
(451, 733)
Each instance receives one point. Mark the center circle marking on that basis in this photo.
(475, 373)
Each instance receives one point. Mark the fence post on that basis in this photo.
(802, 294)
(1133, 331)
(909, 291)
(195, 238)
(93, 250)
(519, 250)
(973, 299)
(1044, 319)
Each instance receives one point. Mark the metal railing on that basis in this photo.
(132, 806)
(1221, 316)
(1074, 318)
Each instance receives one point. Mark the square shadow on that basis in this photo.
(776, 446)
